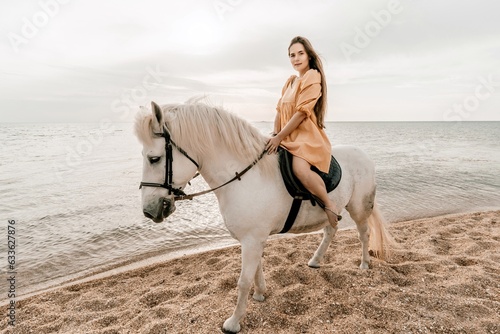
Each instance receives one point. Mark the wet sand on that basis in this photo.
(444, 278)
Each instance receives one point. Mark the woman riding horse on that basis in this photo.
(299, 122)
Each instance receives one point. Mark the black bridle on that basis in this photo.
(169, 143)
(178, 193)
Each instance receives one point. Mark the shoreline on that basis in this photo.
(113, 269)
(443, 279)
(106, 271)
(157, 257)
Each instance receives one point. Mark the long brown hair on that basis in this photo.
(314, 63)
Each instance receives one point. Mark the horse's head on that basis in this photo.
(166, 170)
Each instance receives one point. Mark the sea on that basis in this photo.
(70, 199)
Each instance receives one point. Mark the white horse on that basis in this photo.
(218, 144)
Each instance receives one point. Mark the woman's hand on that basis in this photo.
(293, 123)
(273, 144)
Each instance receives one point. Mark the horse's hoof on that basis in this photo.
(227, 328)
(225, 331)
(364, 266)
(313, 264)
(259, 298)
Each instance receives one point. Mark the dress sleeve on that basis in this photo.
(309, 92)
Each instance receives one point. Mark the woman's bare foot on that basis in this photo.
(333, 217)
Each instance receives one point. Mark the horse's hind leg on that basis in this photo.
(360, 208)
(328, 234)
(364, 237)
(260, 284)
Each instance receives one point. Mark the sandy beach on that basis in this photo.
(444, 278)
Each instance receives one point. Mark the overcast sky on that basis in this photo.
(84, 61)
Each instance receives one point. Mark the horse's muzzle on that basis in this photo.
(159, 210)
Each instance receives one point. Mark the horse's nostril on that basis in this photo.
(148, 215)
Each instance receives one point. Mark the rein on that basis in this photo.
(237, 176)
(180, 195)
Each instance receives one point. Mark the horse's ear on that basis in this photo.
(157, 113)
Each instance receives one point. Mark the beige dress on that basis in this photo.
(308, 141)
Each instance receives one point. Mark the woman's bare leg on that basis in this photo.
(314, 183)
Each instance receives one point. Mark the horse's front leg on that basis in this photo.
(251, 254)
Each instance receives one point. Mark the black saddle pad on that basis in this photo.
(293, 185)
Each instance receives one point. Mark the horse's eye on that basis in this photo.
(154, 160)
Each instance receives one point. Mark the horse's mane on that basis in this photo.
(200, 128)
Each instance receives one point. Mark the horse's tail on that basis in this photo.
(381, 241)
